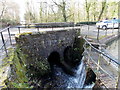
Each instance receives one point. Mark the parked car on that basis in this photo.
(106, 24)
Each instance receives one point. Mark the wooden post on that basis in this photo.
(89, 55)
(98, 35)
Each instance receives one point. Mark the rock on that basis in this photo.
(99, 85)
(90, 77)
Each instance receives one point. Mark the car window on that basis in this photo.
(114, 21)
(118, 20)
(107, 22)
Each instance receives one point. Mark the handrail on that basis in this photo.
(2, 30)
(101, 52)
(99, 65)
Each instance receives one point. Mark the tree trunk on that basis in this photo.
(103, 8)
(3, 10)
(64, 12)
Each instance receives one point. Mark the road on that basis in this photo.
(93, 31)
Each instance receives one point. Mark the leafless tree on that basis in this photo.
(88, 5)
(30, 15)
(3, 8)
(102, 9)
(62, 6)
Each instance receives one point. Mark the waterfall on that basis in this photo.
(78, 80)
(64, 80)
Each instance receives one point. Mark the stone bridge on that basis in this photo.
(51, 46)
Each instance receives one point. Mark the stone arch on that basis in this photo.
(72, 56)
(54, 58)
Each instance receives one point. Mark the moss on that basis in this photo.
(104, 36)
(30, 33)
(5, 68)
(25, 33)
(44, 67)
(18, 78)
(24, 73)
(8, 60)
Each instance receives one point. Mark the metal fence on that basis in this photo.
(99, 57)
(7, 40)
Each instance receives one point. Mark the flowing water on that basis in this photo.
(64, 80)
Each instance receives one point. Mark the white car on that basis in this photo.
(105, 24)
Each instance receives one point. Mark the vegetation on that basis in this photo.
(9, 13)
(23, 73)
(58, 11)
(71, 11)
(18, 76)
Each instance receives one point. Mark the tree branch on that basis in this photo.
(57, 4)
(3, 9)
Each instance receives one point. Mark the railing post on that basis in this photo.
(106, 32)
(19, 29)
(109, 62)
(98, 35)
(89, 55)
(38, 29)
(9, 36)
(4, 43)
(99, 57)
(52, 28)
(113, 28)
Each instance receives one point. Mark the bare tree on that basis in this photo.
(9, 13)
(51, 7)
(102, 10)
(3, 8)
(62, 7)
(88, 5)
(30, 15)
(94, 9)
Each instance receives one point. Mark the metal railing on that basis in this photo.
(88, 47)
(101, 52)
(5, 40)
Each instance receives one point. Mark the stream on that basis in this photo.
(64, 80)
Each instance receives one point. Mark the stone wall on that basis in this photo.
(40, 45)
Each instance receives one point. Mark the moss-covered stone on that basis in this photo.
(73, 55)
(18, 77)
(5, 68)
(24, 74)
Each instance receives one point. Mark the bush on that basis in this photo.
(6, 22)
